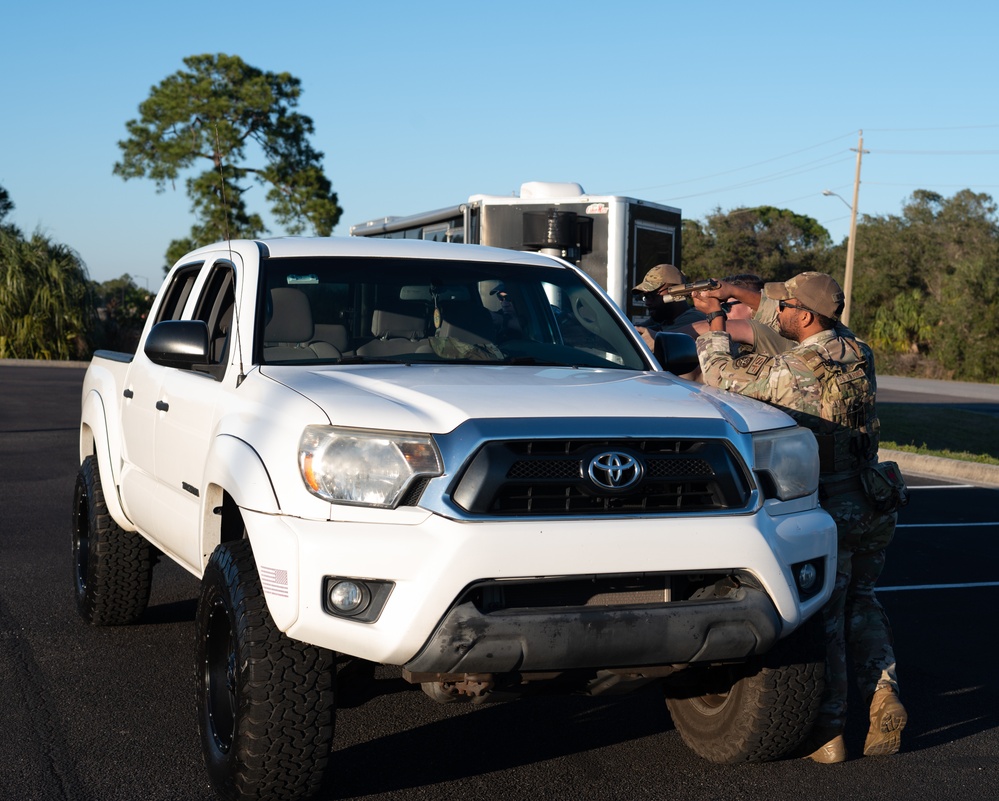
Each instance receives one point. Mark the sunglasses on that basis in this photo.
(783, 304)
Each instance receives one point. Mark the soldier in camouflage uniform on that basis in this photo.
(827, 384)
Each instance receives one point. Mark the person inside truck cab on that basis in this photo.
(504, 313)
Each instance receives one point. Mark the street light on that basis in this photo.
(848, 276)
(830, 193)
(852, 242)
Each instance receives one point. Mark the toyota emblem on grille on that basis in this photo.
(614, 470)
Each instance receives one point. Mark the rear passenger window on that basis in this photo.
(177, 293)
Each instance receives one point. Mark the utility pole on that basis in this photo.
(851, 245)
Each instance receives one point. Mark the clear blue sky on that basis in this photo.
(700, 105)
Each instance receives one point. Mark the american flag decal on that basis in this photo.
(274, 581)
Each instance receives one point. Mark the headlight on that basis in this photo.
(789, 458)
(373, 468)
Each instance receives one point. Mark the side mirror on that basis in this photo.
(676, 352)
(178, 343)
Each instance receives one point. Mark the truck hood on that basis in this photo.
(438, 398)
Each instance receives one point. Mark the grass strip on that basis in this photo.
(940, 430)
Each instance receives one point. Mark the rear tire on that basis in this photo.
(112, 567)
(756, 711)
(265, 702)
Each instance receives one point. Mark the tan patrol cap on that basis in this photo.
(817, 292)
(658, 276)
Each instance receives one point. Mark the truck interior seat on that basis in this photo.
(394, 334)
(333, 334)
(290, 333)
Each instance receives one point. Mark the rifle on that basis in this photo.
(685, 290)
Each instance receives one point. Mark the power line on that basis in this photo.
(736, 169)
(765, 179)
(946, 128)
(933, 183)
(938, 152)
(822, 162)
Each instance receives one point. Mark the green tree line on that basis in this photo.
(49, 307)
(925, 283)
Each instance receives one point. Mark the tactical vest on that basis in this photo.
(848, 433)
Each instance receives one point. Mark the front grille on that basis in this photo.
(551, 477)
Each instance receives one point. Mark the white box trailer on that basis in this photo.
(614, 239)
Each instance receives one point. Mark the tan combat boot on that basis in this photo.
(824, 745)
(888, 718)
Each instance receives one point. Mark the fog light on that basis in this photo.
(360, 600)
(807, 574)
(347, 597)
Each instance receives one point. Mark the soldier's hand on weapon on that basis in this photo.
(707, 301)
(719, 289)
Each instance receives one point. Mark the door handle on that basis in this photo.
(128, 394)
(163, 406)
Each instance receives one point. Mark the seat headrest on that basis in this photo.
(291, 320)
(386, 325)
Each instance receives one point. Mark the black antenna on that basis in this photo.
(228, 239)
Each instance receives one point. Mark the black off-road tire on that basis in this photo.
(757, 711)
(112, 568)
(265, 702)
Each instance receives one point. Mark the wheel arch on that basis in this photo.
(95, 440)
(235, 478)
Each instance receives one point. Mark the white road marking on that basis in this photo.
(942, 486)
(971, 584)
(945, 525)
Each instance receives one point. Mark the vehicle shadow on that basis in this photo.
(171, 612)
(478, 739)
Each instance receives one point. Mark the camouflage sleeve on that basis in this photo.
(767, 313)
(747, 375)
(783, 380)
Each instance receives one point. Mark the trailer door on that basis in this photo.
(652, 242)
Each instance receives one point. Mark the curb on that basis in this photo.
(41, 363)
(981, 475)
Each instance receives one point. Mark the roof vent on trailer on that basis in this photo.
(543, 189)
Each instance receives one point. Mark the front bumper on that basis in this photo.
(431, 561)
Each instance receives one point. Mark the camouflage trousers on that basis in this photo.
(857, 630)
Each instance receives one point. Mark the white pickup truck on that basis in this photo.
(457, 460)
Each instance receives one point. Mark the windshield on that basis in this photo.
(360, 310)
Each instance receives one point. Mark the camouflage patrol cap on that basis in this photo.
(818, 292)
(659, 276)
